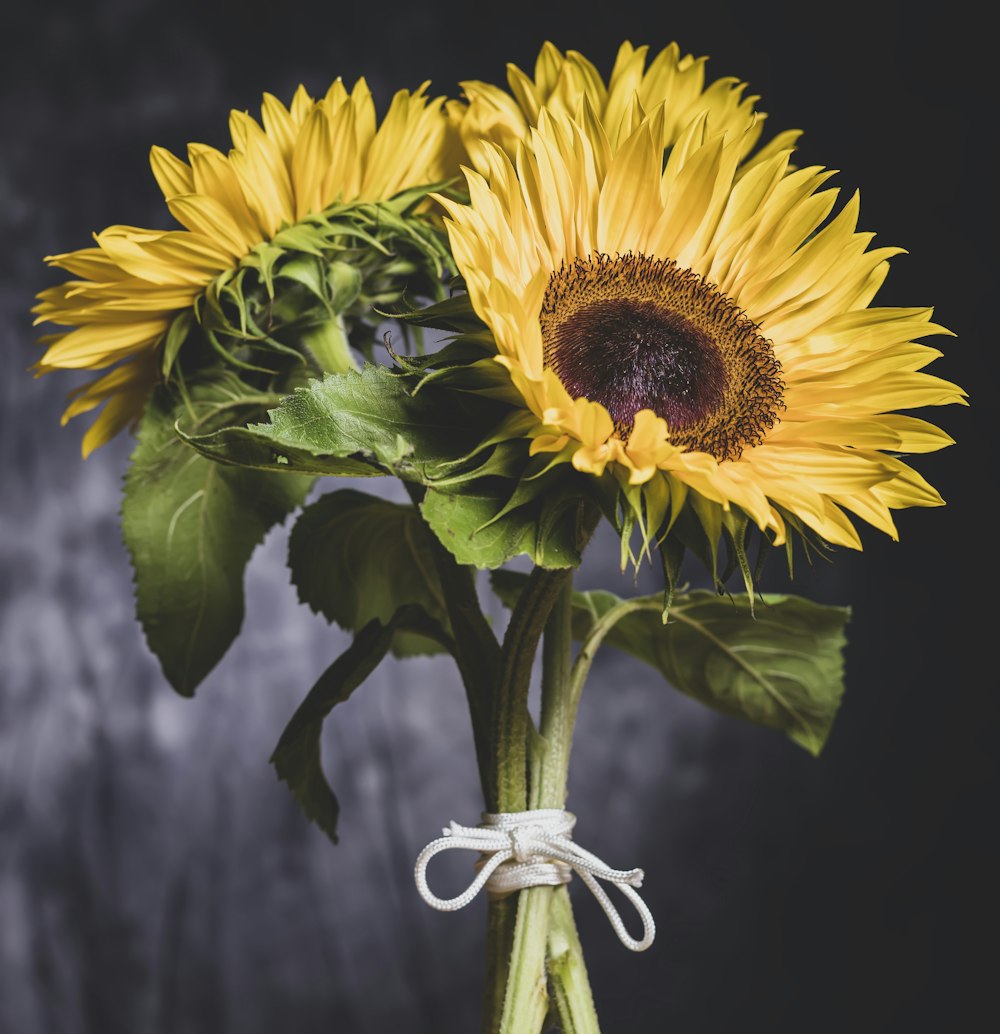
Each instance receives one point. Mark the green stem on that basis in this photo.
(526, 1001)
(567, 972)
(591, 644)
(327, 341)
(475, 648)
(550, 763)
(517, 926)
(511, 719)
(518, 954)
(502, 913)
(542, 954)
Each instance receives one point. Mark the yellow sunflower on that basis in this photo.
(569, 84)
(300, 160)
(700, 334)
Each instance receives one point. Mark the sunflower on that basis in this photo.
(569, 84)
(704, 336)
(129, 288)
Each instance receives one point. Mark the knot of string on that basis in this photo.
(533, 849)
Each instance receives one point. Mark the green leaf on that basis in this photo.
(190, 526)
(483, 525)
(242, 447)
(296, 758)
(373, 415)
(355, 558)
(782, 669)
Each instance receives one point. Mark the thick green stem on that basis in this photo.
(511, 719)
(531, 969)
(519, 955)
(516, 946)
(550, 763)
(567, 974)
(476, 650)
(477, 654)
(526, 1002)
(329, 345)
(499, 940)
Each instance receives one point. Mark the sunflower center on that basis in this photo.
(634, 332)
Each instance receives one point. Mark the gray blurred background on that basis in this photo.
(154, 876)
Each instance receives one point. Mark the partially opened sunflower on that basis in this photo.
(297, 161)
(697, 326)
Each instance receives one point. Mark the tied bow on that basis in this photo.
(533, 849)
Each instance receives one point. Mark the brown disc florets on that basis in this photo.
(634, 332)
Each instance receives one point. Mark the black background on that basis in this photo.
(153, 878)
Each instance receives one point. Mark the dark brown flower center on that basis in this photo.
(634, 332)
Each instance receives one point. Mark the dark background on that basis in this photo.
(154, 877)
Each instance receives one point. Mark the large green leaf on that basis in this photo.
(370, 420)
(373, 414)
(485, 525)
(783, 669)
(244, 447)
(296, 758)
(190, 526)
(355, 557)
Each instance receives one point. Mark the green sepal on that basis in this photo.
(343, 284)
(736, 526)
(355, 558)
(263, 258)
(177, 334)
(783, 669)
(709, 518)
(813, 545)
(672, 553)
(409, 199)
(454, 314)
(310, 272)
(190, 526)
(486, 525)
(689, 531)
(296, 758)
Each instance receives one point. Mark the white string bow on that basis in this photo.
(533, 849)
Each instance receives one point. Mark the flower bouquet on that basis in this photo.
(575, 300)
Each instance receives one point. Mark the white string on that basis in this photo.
(533, 849)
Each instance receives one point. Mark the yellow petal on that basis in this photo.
(310, 162)
(279, 126)
(167, 258)
(98, 345)
(206, 216)
(215, 177)
(173, 175)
